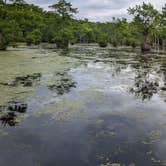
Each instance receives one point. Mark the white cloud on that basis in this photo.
(101, 10)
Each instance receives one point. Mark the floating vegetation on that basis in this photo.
(17, 107)
(153, 137)
(10, 111)
(146, 84)
(145, 89)
(63, 83)
(109, 164)
(3, 133)
(99, 116)
(116, 164)
(118, 139)
(26, 81)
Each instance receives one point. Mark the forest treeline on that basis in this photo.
(23, 22)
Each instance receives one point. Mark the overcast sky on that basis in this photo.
(101, 10)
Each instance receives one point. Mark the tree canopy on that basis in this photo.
(23, 22)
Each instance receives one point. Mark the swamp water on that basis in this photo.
(83, 107)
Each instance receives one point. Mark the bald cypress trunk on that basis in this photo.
(1, 40)
(2, 43)
(146, 44)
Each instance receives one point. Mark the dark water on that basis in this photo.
(82, 107)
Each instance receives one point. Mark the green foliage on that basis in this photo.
(62, 38)
(22, 22)
(1, 2)
(9, 32)
(64, 9)
(102, 41)
(34, 37)
(145, 16)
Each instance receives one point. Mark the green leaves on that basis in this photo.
(64, 9)
(24, 22)
(9, 32)
(147, 19)
(144, 15)
(34, 37)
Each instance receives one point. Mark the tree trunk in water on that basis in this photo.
(2, 43)
(146, 45)
(163, 45)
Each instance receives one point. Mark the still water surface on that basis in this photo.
(83, 107)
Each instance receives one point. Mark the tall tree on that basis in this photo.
(163, 16)
(145, 17)
(65, 10)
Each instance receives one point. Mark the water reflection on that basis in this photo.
(10, 112)
(146, 81)
(148, 74)
(121, 139)
(99, 121)
(163, 70)
(62, 83)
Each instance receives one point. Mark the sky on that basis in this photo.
(101, 10)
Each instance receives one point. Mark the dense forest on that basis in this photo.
(23, 22)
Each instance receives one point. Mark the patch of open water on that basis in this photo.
(110, 109)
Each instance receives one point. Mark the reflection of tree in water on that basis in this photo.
(163, 70)
(9, 113)
(117, 70)
(146, 83)
(150, 76)
(64, 52)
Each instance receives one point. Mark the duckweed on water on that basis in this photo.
(3, 133)
(89, 123)
(27, 80)
(9, 112)
(116, 164)
(109, 164)
(153, 137)
(63, 83)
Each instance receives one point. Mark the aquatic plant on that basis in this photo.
(63, 83)
(10, 111)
